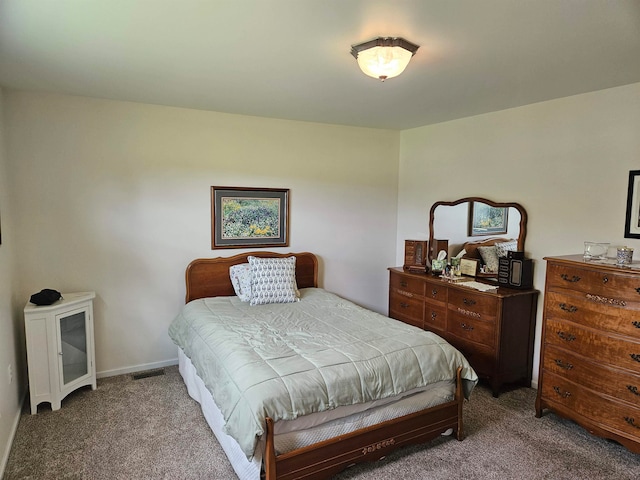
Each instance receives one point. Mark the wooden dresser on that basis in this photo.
(494, 330)
(590, 354)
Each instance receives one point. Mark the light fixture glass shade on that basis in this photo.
(384, 57)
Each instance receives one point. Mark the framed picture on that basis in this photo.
(249, 217)
(487, 220)
(632, 223)
(468, 267)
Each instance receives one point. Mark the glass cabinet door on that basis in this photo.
(73, 346)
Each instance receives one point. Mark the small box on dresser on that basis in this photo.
(60, 348)
(590, 352)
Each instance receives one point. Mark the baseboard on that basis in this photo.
(12, 435)
(136, 368)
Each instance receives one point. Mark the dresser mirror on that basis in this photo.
(474, 219)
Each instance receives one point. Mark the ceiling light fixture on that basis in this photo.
(384, 57)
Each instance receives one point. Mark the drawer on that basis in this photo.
(613, 288)
(613, 350)
(406, 309)
(471, 329)
(615, 415)
(473, 304)
(481, 358)
(436, 292)
(615, 383)
(594, 314)
(435, 317)
(407, 285)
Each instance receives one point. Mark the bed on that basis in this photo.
(312, 418)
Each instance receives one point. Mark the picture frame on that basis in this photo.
(487, 220)
(249, 217)
(632, 221)
(468, 267)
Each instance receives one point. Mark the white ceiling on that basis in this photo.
(290, 59)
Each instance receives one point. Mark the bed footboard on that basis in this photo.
(324, 459)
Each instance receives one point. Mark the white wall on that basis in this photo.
(115, 197)
(566, 161)
(12, 353)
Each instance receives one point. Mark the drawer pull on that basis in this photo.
(635, 357)
(403, 283)
(568, 337)
(605, 279)
(633, 389)
(638, 289)
(631, 421)
(573, 279)
(404, 305)
(433, 315)
(468, 301)
(564, 394)
(636, 324)
(466, 327)
(434, 292)
(568, 308)
(563, 365)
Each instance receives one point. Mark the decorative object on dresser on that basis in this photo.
(494, 327)
(60, 348)
(415, 255)
(590, 353)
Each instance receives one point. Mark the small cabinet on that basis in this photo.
(60, 348)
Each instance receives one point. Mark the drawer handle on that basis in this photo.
(638, 289)
(564, 394)
(605, 279)
(466, 327)
(570, 308)
(636, 324)
(573, 279)
(635, 357)
(468, 301)
(404, 305)
(631, 421)
(563, 365)
(434, 292)
(433, 315)
(633, 389)
(568, 337)
(403, 283)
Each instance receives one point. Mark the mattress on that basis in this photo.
(310, 429)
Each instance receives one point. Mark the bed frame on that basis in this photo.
(209, 277)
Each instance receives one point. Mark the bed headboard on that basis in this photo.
(209, 277)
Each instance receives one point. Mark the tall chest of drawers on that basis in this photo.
(590, 352)
(494, 330)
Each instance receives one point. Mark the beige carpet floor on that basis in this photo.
(151, 429)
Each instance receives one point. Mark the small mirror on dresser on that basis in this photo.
(476, 225)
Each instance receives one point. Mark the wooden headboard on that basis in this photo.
(209, 277)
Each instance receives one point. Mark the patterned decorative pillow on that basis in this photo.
(490, 258)
(503, 247)
(273, 280)
(241, 280)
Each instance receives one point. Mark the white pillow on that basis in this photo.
(241, 280)
(273, 280)
(503, 247)
(490, 258)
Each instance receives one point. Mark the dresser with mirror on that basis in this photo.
(492, 325)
